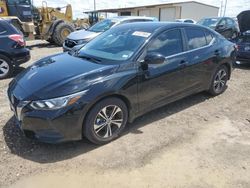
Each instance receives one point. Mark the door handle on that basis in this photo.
(183, 63)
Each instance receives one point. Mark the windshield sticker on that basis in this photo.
(141, 34)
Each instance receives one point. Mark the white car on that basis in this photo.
(186, 20)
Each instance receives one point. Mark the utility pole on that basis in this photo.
(221, 8)
(94, 6)
(225, 8)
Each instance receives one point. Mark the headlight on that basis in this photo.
(57, 103)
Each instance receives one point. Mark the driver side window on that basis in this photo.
(167, 43)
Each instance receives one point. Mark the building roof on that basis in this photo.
(151, 6)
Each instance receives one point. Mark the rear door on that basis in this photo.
(163, 82)
(201, 55)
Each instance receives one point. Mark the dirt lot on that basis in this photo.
(196, 142)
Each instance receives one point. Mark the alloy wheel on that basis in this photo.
(108, 121)
(4, 68)
(220, 80)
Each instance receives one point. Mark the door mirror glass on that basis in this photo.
(154, 58)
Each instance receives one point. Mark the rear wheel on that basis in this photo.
(219, 82)
(6, 67)
(61, 32)
(105, 121)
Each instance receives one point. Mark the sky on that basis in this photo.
(234, 7)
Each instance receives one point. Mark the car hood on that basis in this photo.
(59, 75)
(82, 34)
(244, 21)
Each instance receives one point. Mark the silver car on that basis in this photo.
(81, 37)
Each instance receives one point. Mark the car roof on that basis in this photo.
(152, 26)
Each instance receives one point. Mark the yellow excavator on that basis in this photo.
(45, 22)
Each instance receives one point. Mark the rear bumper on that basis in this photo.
(20, 56)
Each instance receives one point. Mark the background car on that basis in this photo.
(186, 20)
(226, 26)
(118, 76)
(12, 49)
(243, 41)
(83, 36)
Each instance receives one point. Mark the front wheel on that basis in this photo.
(219, 81)
(105, 121)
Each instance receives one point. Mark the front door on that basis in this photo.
(161, 82)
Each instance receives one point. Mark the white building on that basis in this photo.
(169, 11)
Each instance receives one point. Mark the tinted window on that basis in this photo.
(209, 37)
(222, 22)
(102, 26)
(22, 2)
(196, 38)
(2, 29)
(167, 43)
(230, 22)
(189, 21)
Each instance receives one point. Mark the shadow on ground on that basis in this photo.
(243, 65)
(49, 153)
(42, 45)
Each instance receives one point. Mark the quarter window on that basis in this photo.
(196, 38)
(209, 37)
(2, 30)
(167, 43)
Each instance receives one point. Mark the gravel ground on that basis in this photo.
(198, 141)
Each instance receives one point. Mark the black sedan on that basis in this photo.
(120, 75)
(12, 49)
(243, 41)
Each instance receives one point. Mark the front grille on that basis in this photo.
(70, 43)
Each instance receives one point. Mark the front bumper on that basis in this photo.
(50, 126)
(243, 56)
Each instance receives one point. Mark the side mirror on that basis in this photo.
(154, 58)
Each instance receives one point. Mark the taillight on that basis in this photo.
(18, 38)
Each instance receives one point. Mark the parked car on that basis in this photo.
(186, 20)
(226, 26)
(81, 37)
(125, 72)
(243, 42)
(12, 49)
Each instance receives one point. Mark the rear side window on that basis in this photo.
(209, 37)
(167, 43)
(196, 38)
(2, 29)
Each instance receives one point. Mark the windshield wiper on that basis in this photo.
(89, 58)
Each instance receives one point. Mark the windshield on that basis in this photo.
(115, 44)
(209, 22)
(102, 26)
(20, 2)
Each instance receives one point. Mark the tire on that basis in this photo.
(100, 130)
(50, 40)
(61, 32)
(6, 67)
(219, 81)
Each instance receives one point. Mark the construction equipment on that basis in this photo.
(45, 23)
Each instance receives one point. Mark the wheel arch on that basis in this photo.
(229, 68)
(116, 95)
